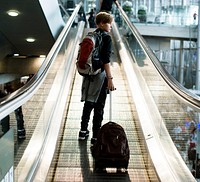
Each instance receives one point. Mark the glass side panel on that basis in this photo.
(7, 156)
(181, 120)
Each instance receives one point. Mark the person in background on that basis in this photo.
(91, 19)
(196, 170)
(106, 5)
(21, 132)
(195, 17)
(5, 122)
(81, 17)
(95, 87)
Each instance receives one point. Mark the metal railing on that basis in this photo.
(191, 98)
(39, 142)
(159, 138)
(20, 96)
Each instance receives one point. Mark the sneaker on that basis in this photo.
(21, 134)
(93, 141)
(83, 135)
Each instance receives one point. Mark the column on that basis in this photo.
(198, 54)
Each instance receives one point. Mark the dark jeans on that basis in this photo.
(5, 123)
(98, 112)
(20, 118)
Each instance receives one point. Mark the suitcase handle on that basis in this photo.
(110, 105)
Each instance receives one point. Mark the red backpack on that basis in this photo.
(88, 61)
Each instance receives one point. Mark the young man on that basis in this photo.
(21, 132)
(95, 88)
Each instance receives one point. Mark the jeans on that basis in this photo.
(20, 118)
(98, 112)
(5, 123)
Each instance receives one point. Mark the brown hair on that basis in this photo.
(103, 17)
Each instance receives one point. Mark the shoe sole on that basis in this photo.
(21, 137)
(83, 138)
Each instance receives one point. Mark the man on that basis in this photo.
(21, 132)
(95, 88)
(106, 5)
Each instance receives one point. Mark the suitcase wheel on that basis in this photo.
(98, 167)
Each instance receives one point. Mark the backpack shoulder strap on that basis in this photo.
(98, 38)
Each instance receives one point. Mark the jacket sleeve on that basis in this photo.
(106, 49)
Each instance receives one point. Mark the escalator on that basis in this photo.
(142, 104)
(73, 160)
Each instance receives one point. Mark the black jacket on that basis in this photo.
(107, 5)
(106, 46)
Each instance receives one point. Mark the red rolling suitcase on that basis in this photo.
(111, 149)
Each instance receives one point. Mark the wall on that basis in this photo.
(53, 16)
(158, 43)
(20, 66)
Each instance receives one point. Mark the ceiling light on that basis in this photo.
(30, 39)
(13, 13)
(42, 56)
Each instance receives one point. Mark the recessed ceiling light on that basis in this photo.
(30, 39)
(13, 13)
(42, 56)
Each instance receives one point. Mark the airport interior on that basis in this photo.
(155, 65)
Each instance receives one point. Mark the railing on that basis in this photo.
(22, 95)
(192, 98)
(168, 20)
(162, 13)
(19, 97)
(181, 104)
(181, 64)
(36, 154)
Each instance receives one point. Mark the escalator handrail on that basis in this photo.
(12, 101)
(192, 99)
(166, 159)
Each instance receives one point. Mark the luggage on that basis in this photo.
(111, 149)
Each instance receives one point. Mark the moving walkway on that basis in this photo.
(144, 103)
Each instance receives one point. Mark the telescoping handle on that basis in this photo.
(110, 104)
